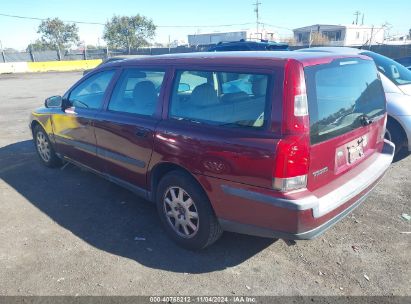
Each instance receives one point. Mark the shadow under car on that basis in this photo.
(109, 217)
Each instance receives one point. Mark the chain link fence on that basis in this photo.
(392, 51)
(53, 55)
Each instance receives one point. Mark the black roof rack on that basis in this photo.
(245, 45)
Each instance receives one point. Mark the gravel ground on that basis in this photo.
(68, 232)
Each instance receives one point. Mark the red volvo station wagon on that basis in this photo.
(272, 144)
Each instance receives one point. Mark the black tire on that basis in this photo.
(208, 230)
(395, 134)
(42, 144)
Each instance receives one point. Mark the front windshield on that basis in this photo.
(396, 72)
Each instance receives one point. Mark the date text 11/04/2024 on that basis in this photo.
(203, 299)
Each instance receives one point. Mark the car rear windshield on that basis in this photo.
(340, 95)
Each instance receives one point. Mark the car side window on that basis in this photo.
(89, 93)
(191, 79)
(220, 98)
(137, 92)
(235, 83)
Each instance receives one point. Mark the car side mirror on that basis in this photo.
(54, 102)
(183, 87)
(65, 104)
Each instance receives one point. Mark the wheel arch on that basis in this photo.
(163, 168)
(34, 123)
(45, 122)
(396, 122)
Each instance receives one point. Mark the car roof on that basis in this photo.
(123, 57)
(256, 58)
(332, 49)
(220, 44)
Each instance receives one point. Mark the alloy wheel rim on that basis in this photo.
(181, 212)
(43, 146)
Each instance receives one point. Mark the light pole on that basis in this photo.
(257, 14)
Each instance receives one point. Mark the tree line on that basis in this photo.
(121, 32)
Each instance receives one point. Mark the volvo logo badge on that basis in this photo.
(321, 171)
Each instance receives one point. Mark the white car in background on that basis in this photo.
(396, 80)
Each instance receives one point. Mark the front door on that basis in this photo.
(73, 127)
(125, 131)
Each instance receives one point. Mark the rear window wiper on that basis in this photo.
(340, 119)
(365, 120)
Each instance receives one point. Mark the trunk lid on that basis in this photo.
(347, 112)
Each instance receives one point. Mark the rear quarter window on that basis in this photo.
(221, 98)
(339, 94)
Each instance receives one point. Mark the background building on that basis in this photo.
(214, 38)
(339, 35)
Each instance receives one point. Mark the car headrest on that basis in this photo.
(204, 95)
(145, 92)
(259, 86)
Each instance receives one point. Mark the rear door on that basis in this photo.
(219, 125)
(347, 111)
(125, 130)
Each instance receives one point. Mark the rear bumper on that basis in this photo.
(306, 235)
(308, 216)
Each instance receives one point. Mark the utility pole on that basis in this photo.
(2, 52)
(356, 14)
(85, 51)
(257, 14)
(310, 40)
(31, 52)
(372, 32)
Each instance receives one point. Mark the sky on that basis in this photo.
(193, 16)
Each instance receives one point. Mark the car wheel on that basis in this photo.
(395, 134)
(186, 212)
(44, 148)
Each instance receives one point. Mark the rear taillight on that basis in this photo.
(291, 165)
(293, 150)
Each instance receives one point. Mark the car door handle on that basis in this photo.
(70, 110)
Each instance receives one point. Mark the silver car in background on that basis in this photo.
(396, 80)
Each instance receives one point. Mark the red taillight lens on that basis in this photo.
(293, 150)
(291, 166)
(295, 112)
(292, 157)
